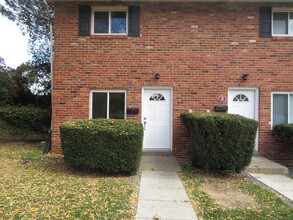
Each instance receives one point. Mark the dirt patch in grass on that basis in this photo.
(227, 194)
(216, 196)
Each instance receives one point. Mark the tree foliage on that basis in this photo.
(7, 89)
(33, 77)
(24, 85)
(33, 17)
(2, 63)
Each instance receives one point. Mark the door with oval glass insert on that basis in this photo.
(156, 118)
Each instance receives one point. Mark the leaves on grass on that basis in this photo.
(45, 188)
(269, 205)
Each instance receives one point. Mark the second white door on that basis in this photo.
(244, 102)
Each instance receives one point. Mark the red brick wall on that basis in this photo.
(199, 49)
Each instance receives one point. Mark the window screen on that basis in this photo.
(117, 105)
(101, 22)
(118, 22)
(99, 105)
(291, 109)
(280, 109)
(280, 23)
(291, 23)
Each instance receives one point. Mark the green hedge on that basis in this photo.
(27, 117)
(104, 145)
(284, 133)
(221, 141)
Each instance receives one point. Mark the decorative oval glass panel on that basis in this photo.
(240, 98)
(157, 97)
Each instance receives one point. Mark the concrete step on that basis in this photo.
(159, 163)
(262, 165)
(157, 152)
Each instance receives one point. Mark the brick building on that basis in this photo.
(153, 60)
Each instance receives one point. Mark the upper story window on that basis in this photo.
(110, 20)
(282, 22)
(282, 108)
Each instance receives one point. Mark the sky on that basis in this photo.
(13, 45)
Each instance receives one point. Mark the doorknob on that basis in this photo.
(144, 123)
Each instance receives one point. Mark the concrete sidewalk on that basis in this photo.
(162, 195)
(263, 165)
(271, 174)
(280, 183)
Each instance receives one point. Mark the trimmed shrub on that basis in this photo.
(105, 145)
(284, 133)
(221, 142)
(27, 117)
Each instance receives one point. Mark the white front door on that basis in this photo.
(156, 118)
(244, 102)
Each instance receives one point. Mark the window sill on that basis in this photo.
(108, 36)
(282, 38)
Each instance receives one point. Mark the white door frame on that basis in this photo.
(256, 105)
(171, 106)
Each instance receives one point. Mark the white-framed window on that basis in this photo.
(282, 22)
(109, 20)
(108, 104)
(282, 107)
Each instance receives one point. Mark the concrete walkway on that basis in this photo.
(262, 165)
(271, 174)
(162, 195)
(280, 183)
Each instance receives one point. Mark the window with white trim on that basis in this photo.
(282, 22)
(111, 20)
(108, 104)
(282, 108)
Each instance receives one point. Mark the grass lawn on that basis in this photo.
(212, 197)
(33, 186)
